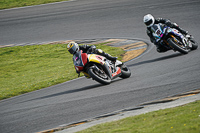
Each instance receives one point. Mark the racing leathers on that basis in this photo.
(161, 48)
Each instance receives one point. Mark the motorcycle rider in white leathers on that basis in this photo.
(149, 21)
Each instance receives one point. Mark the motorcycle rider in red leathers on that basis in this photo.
(73, 47)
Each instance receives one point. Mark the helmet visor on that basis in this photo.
(72, 50)
(149, 22)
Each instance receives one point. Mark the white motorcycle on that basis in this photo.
(172, 39)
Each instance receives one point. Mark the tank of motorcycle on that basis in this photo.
(96, 58)
(175, 32)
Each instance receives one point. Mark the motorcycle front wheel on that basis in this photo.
(177, 46)
(99, 76)
(126, 73)
(194, 44)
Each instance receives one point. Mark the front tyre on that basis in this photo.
(194, 44)
(126, 73)
(99, 76)
(182, 49)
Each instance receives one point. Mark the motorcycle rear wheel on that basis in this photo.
(102, 78)
(177, 47)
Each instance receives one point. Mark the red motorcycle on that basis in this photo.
(99, 68)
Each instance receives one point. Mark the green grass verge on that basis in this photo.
(183, 119)
(27, 68)
(6, 4)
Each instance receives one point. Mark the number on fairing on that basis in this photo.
(158, 32)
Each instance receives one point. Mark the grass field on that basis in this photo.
(27, 68)
(6, 4)
(183, 119)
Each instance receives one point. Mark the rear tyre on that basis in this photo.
(126, 73)
(99, 76)
(177, 46)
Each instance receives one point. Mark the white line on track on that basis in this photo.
(36, 5)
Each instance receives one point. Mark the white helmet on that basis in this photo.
(149, 20)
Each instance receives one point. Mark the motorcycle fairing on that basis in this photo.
(177, 33)
(96, 58)
(117, 72)
(84, 58)
(80, 59)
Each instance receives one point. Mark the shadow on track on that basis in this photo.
(156, 60)
(66, 92)
(71, 91)
(74, 90)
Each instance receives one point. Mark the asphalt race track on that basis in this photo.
(154, 76)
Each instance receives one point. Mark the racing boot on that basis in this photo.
(100, 52)
(110, 57)
(161, 49)
(184, 32)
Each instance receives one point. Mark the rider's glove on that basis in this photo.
(91, 49)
